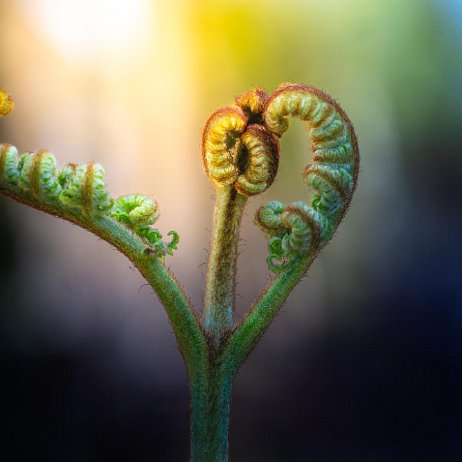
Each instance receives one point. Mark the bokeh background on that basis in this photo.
(365, 361)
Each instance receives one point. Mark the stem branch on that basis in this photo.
(247, 334)
(219, 297)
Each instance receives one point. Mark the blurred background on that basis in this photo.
(365, 360)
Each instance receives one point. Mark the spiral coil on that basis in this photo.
(237, 150)
(298, 230)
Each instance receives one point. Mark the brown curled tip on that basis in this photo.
(257, 161)
(253, 102)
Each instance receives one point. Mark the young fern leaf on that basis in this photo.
(294, 231)
(297, 230)
(238, 152)
(77, 193)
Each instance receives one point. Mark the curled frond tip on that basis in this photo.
(237, 149)
(300, 230)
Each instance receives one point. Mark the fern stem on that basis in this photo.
(221, 275)
(247, 334)
(210, 405)
(182, 316)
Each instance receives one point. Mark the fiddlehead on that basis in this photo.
(83, 187)
(294, 231)
(135, 210)
(298, 230)
(139, 213)
(238, 151)
(76, 192)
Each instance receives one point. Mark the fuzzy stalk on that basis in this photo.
(247, 334)
(182, 316)
(210, 405)
(219, 297)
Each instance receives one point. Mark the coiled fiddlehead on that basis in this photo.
(293, 230)
(237, 150)
(298, 230)
(78, 191)
(139, 213)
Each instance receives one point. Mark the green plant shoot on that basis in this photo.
(240, 153)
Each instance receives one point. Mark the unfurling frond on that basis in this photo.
(332, 176)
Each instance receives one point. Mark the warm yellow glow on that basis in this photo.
(91, 28)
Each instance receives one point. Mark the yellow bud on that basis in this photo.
(6, 103)
(252, 101)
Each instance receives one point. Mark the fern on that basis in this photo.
(240, 153)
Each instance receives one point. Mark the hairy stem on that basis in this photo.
(183, 318)
(210, 405)
(221, 275)
(247, 334)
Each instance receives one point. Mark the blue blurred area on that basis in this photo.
(453, 10)
(365, 361)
